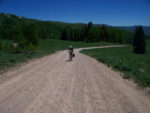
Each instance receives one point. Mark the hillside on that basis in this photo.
(52, 28)
(19, 29)
(132, 28)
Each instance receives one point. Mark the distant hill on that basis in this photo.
(52, 28)
(129, 28)
(132, 28)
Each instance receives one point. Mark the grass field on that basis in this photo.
(46, 47)
(135, 66)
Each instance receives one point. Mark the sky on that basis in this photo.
(111, 12)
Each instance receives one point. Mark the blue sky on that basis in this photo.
(112, 12)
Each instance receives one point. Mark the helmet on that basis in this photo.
(70, 46)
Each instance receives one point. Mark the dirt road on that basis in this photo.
(54, 85)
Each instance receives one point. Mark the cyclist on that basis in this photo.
(71, 54)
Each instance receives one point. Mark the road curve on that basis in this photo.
(53, 84)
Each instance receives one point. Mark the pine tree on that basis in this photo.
(64, 35)
(72, 35)
(139, 41)
(90, 25)
(105, 32)
(88, 32)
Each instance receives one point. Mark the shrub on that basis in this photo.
(126, 76)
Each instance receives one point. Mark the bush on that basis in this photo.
(125, 68)
(126, 76)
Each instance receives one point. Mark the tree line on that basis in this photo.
(94, 33)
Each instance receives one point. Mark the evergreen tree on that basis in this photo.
(104, 32)
(139, 41)
(83, 29)
(88, 32)
(90, 25)
(72, 35)
(64, 35)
